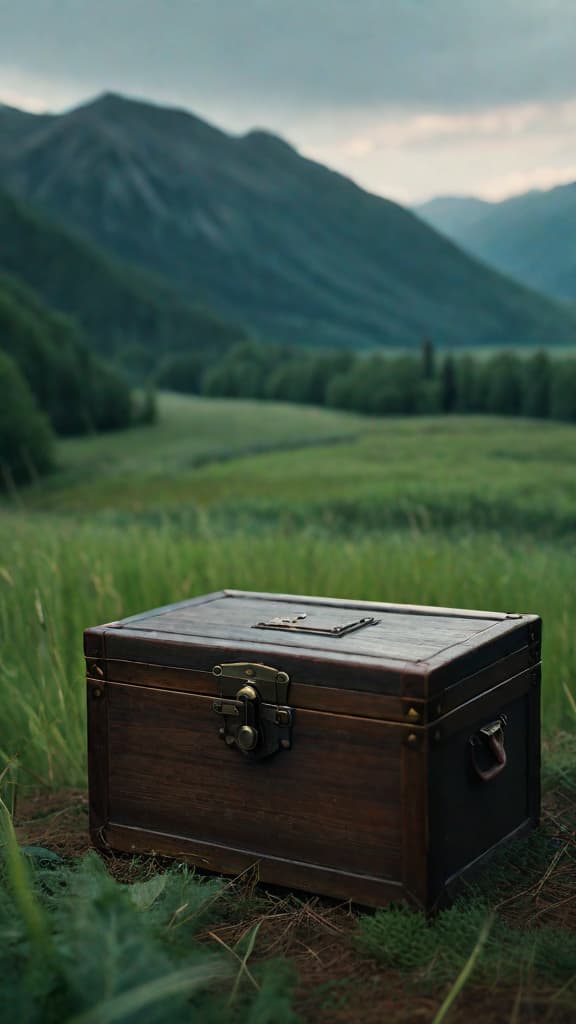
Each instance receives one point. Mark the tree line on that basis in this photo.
(50, 383)
(421, 383)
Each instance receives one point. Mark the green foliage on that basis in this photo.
(448, 392)
(563, 391)
(76, 392)
(26, 447)
(57, 578)
(245, 371)
(504, 384)
(146, 407)
(75, 945)
(437, 949)
(538, 371)
(182, 373)
(455, 511)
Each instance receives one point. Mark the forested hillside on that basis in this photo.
(249, 227)
(26, 447)
(125, 313)
(76, 391)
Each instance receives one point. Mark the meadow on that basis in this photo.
(466, 511)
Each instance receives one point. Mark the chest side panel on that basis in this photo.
(332, 800)
(469, 814)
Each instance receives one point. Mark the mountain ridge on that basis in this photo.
(531, 236)
(249, 227)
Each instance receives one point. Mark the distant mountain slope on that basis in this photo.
(117, 305)
(15, 125)
(248, 226)
(531, 237)
(452, 215)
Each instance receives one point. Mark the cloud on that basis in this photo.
(409, 97)
(423, 53)
(517, 182)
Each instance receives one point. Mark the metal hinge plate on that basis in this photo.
(295, 624)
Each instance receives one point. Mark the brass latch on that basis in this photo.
(256, 717)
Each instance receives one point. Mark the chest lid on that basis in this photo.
(364, 646)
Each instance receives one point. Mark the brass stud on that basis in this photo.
(412, 739)
(247, 693)
(282, 677)
(217, 670)
(413, 715)
(248, 671)
(285, 744)
(97, 692)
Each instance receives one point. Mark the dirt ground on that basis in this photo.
(337, 985)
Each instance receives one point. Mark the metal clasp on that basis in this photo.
(257, 719)
(490, 736)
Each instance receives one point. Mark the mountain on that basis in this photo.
(532, 237)
(452, 215)
(117, 305)
(16, 124)
(247, 226)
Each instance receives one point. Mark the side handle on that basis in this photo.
(491, 738)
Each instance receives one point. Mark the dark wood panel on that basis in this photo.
(460, 660)
(97, 723)
(468, 816)
(226, 860)
(456, 884)
(415, 825)
(369, 675)
(486, 704)
(473, 685)
(333, 799)
(394, 635)
(301, 694)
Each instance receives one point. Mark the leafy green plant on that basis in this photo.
(78, 947)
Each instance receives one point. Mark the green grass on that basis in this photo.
(57, 577)
(249, 463)
(477, 512)
(154, 515)
(81, 948)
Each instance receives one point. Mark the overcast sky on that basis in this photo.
(411, 98)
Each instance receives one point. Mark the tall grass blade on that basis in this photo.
(182, 982)
(465, 973)
(243, 969)
(570, 699)
(19, 878)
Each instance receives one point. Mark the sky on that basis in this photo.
(411, 98)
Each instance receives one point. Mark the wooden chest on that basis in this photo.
(372, 752)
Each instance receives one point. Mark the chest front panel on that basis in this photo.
(333, 799)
